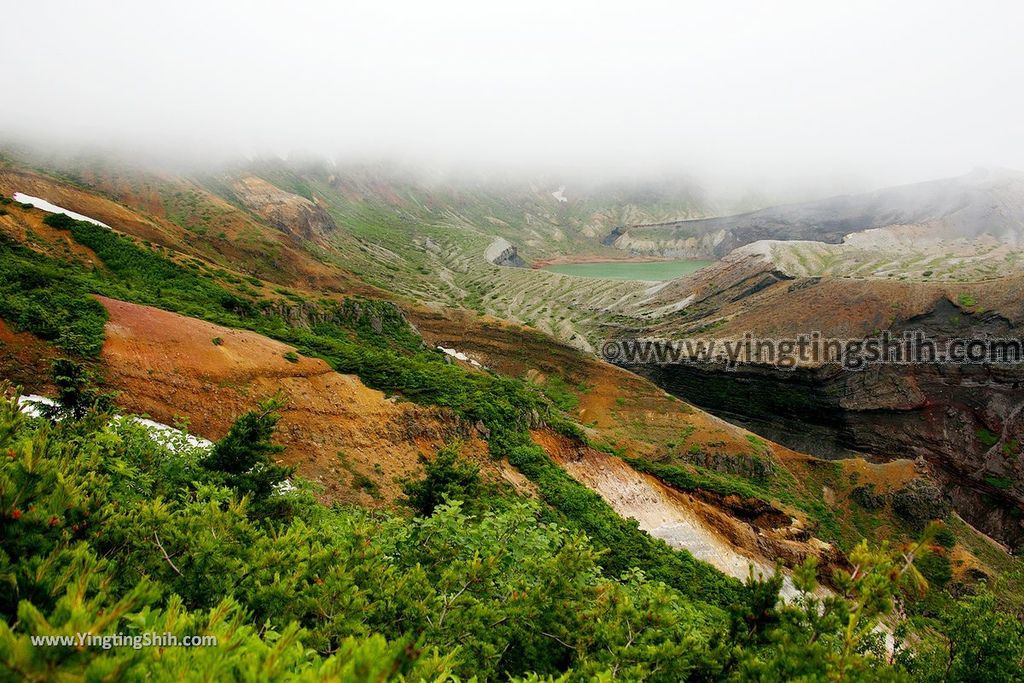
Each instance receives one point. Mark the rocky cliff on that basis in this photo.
(501, 252)
(983, 202)
(288, 212)
(963, 419)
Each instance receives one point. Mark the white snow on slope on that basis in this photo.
(53, 208)
(163, 434)
(459, 355)
(30, 403)
(169, 437)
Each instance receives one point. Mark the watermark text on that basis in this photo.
(813, 349)
(135, 641)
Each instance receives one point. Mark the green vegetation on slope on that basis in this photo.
(506, 407)
(120, 534)
(104, 530)
(145, 276)
(138, 538)
(50, 299)
(372, 340)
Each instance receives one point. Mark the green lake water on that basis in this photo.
(651, 271)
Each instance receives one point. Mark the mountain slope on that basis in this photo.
(573, 553)
(985, 202)
(350, 439)
(962, 419)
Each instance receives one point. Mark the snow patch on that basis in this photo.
(169, 437)
(30, 404)
(53, 208)
(165, 435)
(459, 355)
(284, 487)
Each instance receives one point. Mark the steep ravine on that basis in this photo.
(710, 533)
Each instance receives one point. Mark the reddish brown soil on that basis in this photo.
(885, 476)
(83, 202)
(24, 360)
(238, 239)
(621, 408)
(167, 366)
(27, 227)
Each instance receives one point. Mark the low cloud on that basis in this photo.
(740, 94)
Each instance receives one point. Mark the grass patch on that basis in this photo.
(50, 299)
(967, 300)
(1001, 483)
(561, 393)
(987, 438)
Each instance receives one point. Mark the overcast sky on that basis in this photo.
(887, 91)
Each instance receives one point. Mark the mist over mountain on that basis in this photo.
(737, 94)
(515, 342)
(987, 202)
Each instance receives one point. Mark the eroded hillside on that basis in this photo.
(749, 496)
(352, 440)
(963, 419)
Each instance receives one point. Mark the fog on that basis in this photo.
(845, 95)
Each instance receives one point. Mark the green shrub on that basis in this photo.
(1001, 483)
(865, 496)
(935, 567)
(976, 641)
(447, 477)
(967, 300)
(365, 484)
(945, 537)
(987, 438)
(49, 299)
(139, 538)
(76, 391)
(242, 459)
